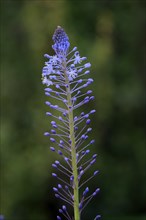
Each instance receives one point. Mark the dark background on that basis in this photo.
(112, 35)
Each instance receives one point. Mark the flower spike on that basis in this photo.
(65, 77)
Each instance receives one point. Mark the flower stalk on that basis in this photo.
(66, 79)
(73, 149)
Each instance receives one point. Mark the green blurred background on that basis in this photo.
(112, 35)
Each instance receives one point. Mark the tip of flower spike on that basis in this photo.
(61, 41)
(59, 218)
(59, 32)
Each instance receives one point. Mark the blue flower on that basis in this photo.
(66, 79)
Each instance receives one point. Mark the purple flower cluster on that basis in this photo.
(66, 78)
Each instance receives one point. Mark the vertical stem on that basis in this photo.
(73, 149)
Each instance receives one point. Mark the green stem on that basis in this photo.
(73, 150)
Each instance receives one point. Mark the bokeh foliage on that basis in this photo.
(112, 35)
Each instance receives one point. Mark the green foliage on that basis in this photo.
(111, 34)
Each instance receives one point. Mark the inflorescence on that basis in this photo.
(66, 78)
